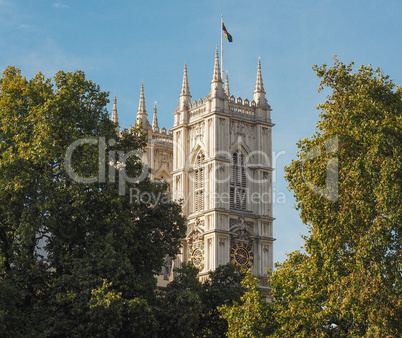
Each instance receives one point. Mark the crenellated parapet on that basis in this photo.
(235, 106)
(161, 137)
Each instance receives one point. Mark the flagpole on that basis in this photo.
(221, 46)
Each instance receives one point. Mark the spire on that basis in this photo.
(227, 90)
(142, 111)
(185, 96)
(115, 117)
(259, 93)
(217, 73)
(216, 83)
(155, 127)
(185, 89)
(141, 104)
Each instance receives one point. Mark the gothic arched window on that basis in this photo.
(238, 182)
(199, 184)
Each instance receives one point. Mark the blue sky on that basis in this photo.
(120, 43)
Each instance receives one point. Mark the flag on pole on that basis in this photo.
(227, 35)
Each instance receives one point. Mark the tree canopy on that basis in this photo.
(189, 308)
(347, 182)
(252, 316)
(61, 240)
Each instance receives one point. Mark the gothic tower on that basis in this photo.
(222, 155)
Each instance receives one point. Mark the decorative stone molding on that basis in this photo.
(242, 230)
(195, 232)
(197, 222)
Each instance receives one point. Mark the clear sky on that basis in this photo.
(120, 43)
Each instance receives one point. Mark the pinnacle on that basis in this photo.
(142, 111)
(217, 73)
(259, 86)
(227, 90)
(259, 93)
(185, 89)
(155, 126)
(115, 118)
(141, 105)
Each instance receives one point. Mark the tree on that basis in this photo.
(253, 316)
(61, 237)
(180, 305)
(347, 181)
(189, 308)
(224, 286)
(111, 315)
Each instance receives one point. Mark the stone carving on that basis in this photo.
(242, 230)
(195, 231)
(196, 132)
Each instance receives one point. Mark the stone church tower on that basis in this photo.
(222, 155)
(217, 158)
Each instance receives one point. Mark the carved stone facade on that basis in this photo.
(217, 158)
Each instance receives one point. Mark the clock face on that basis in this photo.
(242, 255)
(197, 256)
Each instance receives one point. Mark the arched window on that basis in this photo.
(199, 184)
(238, 182)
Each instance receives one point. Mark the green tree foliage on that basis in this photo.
(253, 316)
(348, 283)
(223, 287)
(189, 308)
(180, 304)
(113, 316)
(59, 239)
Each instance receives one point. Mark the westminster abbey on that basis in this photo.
(217, 159)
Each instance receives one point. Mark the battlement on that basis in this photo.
(242, 108)
(161, 137)
(235, 105)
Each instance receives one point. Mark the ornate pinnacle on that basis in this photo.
(217, 73)
(155, 126)
(259, 93)
(142, 111)
(115, 117)
(185, 89)
(259, 86)
(227, 90)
